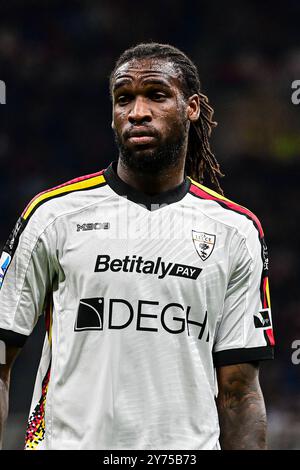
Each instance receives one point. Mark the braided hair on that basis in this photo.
(200, 160)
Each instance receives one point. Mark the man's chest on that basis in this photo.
(168, 253)
(157, 272)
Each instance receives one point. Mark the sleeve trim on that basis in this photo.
(236, 356)
(11, 338)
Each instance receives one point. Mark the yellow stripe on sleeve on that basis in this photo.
(212, 193)
(64, 189)
(268, 293)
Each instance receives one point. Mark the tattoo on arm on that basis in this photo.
(241, 407)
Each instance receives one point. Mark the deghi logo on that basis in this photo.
(262, 319)
(99, 313)
(139, 265)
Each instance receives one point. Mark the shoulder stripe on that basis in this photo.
(84, 182)
(203, 192)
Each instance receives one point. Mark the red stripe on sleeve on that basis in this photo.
(230, 205)
(270, 336)
(75, 180)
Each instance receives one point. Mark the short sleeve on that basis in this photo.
(244, 331)
(25, 280)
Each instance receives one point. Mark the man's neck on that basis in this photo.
(151, 183)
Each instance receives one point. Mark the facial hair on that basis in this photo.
(166, 155)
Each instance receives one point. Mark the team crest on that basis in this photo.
(204, 243)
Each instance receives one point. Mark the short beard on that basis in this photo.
(166, 156)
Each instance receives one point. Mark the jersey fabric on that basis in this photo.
(144, 296)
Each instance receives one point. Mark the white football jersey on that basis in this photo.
(144, 296)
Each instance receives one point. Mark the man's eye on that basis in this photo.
(158, 96)
(123, 99)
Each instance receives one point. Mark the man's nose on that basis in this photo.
(140, 111)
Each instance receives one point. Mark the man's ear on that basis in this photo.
(193, 111)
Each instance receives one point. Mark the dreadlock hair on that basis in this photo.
(200, 161)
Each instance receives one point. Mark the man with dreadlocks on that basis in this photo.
(154, 287)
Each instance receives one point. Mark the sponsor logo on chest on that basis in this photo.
(99, 313)
(139, 265)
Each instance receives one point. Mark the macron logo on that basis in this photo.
(139, 265)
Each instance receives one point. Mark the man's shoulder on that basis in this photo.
(63, 198)
(224, 210)
(49, 205)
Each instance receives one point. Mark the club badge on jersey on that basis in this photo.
(204, 243)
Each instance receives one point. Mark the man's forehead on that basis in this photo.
(139, 68)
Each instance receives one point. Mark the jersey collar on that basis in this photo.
(149, 202)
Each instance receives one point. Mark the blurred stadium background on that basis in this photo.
(55, 58)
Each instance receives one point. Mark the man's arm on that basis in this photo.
(241, 407)
(11, 354)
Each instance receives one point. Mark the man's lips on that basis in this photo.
(141, 139)
(140, 136)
